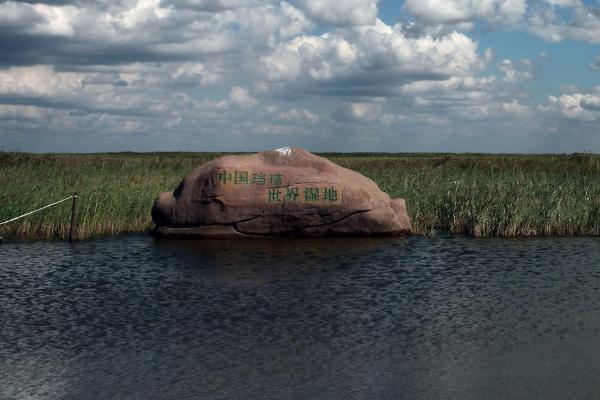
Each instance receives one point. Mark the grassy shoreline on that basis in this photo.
(464, 194)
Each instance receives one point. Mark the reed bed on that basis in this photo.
(462, 194)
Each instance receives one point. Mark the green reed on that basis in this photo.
(464, 194)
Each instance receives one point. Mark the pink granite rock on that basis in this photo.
(285, 192)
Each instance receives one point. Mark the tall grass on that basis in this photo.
(115, 191)
(477, 195)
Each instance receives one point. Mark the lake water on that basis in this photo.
(130, 317)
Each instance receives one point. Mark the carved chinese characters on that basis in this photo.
(274, 190)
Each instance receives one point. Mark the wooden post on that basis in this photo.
(73, 228)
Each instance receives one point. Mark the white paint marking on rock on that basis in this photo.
(284, 151)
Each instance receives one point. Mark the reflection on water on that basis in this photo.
(262, 261)
(447, 318)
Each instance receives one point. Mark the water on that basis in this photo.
(446, 318)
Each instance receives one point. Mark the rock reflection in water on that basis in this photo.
(265, 260)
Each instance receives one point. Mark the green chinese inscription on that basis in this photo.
(275, 179)
(258, 179)
(240, 177)
(235, 177)
(224, 177)
(291, 194)
(305, 195)
(274, 195)
(330, 193)
(275, 191)
(311, 194)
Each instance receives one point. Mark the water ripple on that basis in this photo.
(448, 318)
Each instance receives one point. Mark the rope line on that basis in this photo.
(39, 209)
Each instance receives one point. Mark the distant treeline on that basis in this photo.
(478, 195)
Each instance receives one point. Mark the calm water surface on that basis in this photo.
(446, 318)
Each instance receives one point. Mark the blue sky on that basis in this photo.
(355, 75)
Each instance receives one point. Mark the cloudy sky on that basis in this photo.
(327, 75)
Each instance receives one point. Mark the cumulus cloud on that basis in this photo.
(591, 102)
(240, 97)
(552, 20)
(368, 60)
(341, 13)
(514, 108)
(358, 111)
(140, 31)
(582, 24)
(506, 12)
(211, 5)
(37, 80)
(188, 71)
(21, 112)
(121, 102)
(36, 19)
(194, 74)
(454, 84)
(477, 99)
(515, 73)
(295, 114)
(438, 102)
(293, 117)
(582, 107)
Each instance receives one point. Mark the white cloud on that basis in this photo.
(57, 20)
(513, 108)
(514, 73)
(591, 102)
(510, 12)
(582, 24)
(143, 12)
(146, 30)
(369, 59)
(189, 70)
(463, 98)
(358, 111)
(240, 97)
(583, 107)
(39, 80)
(10, 111)
(354, 113)
(447, 11)
(294, 22)
(213, 5)
(453, 84)
(38, 18)
(194, 74)
(341, 13)
(505, 12)
(563, 3)
(141, 99)
(295, 114)
(492, 110)
(552, 20)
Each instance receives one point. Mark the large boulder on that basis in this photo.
(284, 192)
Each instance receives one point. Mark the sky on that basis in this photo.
(494, 76)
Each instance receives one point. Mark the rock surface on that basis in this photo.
(284, 192)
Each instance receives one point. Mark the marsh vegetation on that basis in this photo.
(464, 194)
